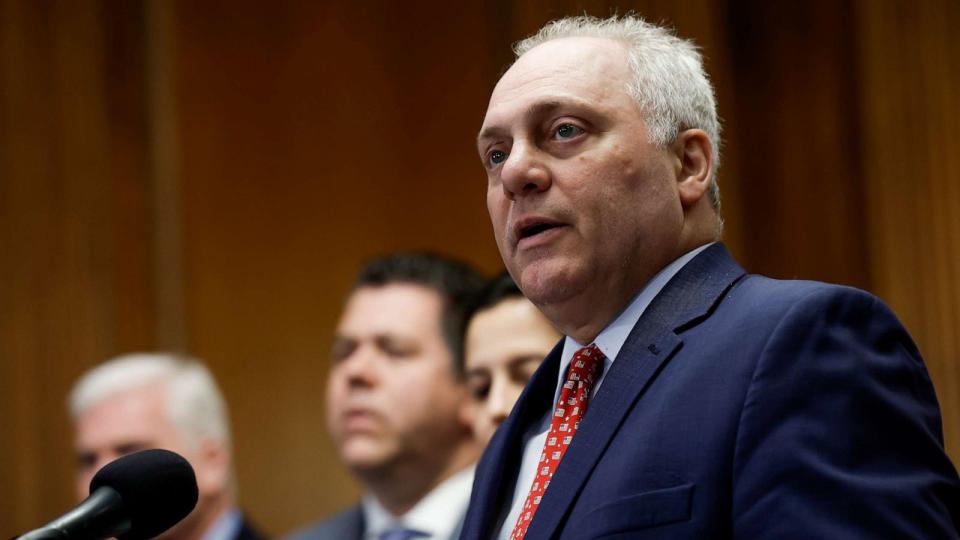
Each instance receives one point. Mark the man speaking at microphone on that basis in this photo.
(689, 399)
(151, 400)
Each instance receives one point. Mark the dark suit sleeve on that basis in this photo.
(840, 432)
(346, 525)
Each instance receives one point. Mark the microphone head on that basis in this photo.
(158, 489)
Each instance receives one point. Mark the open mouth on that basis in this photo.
(534, 229)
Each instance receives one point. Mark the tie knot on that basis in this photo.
(586, 364)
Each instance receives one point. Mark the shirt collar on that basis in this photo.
(438, 513)
(611, 339)
(226, 527)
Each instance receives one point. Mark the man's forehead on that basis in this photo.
(391, 307)
(556, 72)
(137, 413)
(564, 57)
(395, 293)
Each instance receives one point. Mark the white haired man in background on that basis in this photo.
(157, 400)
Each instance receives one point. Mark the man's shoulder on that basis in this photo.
(760, 291)
(761, 310)
(345, 524)
(794, 288)
(757, 309)
(713, 283)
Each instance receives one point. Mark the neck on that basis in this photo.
(584, 315)
(403, 487)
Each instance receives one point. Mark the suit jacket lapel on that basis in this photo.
(687, 299)
(353, 525)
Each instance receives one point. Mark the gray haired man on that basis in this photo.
(153, 400)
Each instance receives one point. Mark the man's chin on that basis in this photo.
(547, 281)
(364, 456)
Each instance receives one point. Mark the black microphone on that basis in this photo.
(135, 497)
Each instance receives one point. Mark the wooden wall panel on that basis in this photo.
(798, 146)
(314, 137)
(74, 234)
(910, 116)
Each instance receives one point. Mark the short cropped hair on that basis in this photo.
(670, 84)
(501, 287)
(194, 404)
(498, 289)
(456, 282)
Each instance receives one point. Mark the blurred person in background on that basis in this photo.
(156, 400)
(507, 338)
(398, 410)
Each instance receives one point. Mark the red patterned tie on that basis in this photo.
(585, 368)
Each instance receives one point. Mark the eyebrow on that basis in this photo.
(477, 372)
(539, 108)
(518, 361)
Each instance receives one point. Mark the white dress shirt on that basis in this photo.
(439, 513)
(610, 340)
(226, 527)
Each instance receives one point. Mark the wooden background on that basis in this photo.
(207, 176)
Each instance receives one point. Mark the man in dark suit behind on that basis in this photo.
(718, 404)
(398, 409)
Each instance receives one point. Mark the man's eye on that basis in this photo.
(397, 352)
(397, 349)
(497, 157)
(480, 391)
(567, 131)
(85, 460)
(342, 348)
(478, 383)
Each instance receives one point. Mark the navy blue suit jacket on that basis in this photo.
(741, 407)
(346, 525)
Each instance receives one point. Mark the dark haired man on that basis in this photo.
(397, 407)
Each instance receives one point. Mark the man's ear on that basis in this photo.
(695, 157)
(213, 470)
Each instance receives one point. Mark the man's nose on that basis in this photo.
(524, 172)
(500, 400)
(360, 368)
